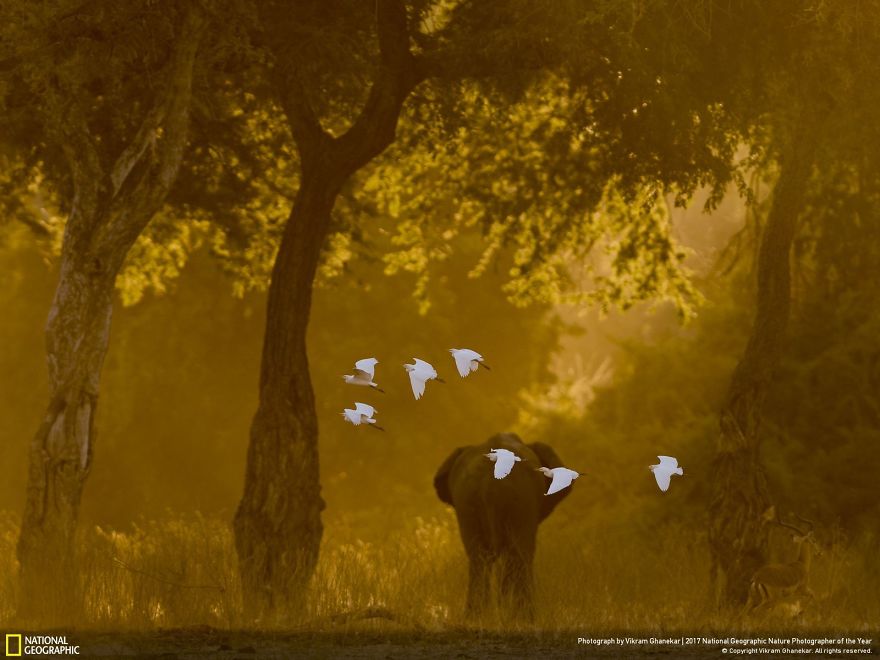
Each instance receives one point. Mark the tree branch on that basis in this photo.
(304, 124)
(399, 72)
(175, 130)
(66, 120)
(172, 108)
(133, 153)
(163, 134)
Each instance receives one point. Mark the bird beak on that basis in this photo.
(486, 366)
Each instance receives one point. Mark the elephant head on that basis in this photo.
(498, 518)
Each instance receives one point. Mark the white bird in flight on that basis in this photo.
(419, 374)
(562, 478)
(504, 460)
(362, 414)
(363, 374)
(664, 470)
(467, 360)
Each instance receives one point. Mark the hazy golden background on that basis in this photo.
(535, 143)
(609, 393)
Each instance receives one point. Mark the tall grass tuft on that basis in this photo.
(182, 571)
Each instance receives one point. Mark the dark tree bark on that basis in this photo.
(110, 209)
(737, 533)
(278, 525)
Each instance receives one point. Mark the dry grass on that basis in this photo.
(182, 571)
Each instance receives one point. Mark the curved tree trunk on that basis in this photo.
(278, 523)
(109, 211)
(737, 535)
(60, 453)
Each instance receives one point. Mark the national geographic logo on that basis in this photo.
(13, 645)
(18, 645)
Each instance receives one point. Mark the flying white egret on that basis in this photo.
(467, 360)
(664, 470)
(364, 371)
(562, 478)
(362, 414)
(504, 460)
(419, 374)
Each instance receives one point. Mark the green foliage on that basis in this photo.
(100, 59)
(545, 191)
(158, 257)
(575, 204)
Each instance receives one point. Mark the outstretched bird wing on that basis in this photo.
(504, 465)
(367, 365)
(364, 409)
(465, 360)
(361, 375)
(462, 363)
(668, 462)
(418, 384)
(662, 476)
(559, 482)
(352, 416)
(422, 365)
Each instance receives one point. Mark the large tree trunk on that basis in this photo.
(109, 210)
(737, 532)
(60, 453)
(278, 523)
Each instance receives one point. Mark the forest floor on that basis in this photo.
(143, 591)
(247, 645)
(376, 639)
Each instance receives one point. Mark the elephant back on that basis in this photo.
(466, 479)
(473, 484)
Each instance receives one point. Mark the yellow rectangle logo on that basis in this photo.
(13, 650)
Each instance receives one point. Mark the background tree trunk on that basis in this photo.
(737, 534)
(278, 525)
(110, 209)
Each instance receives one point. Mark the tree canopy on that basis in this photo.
(544, 145)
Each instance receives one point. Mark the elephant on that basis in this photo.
(498, 518)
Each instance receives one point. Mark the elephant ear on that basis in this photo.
(441, 479)
(549, 459)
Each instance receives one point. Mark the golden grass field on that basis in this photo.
(181, 572)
